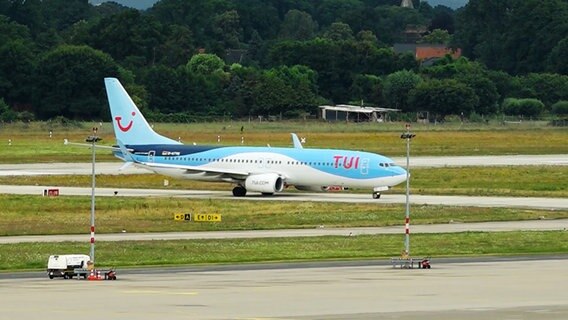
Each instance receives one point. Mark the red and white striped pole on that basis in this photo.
(407, 135)
(93, 139)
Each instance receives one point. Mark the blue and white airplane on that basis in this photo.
(266, 170)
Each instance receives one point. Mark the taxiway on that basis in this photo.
(531, 289)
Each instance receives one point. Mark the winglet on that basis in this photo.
(296, 141)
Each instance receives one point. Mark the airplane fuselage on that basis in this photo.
(300, 167)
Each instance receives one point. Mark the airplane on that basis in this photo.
(265, 170)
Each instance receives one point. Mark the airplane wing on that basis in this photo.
(127, 156)
(197, 170)
(97, 146)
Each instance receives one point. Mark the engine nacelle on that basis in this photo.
(265, 183)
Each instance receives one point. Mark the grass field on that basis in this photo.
(71, 215)
(27, 256)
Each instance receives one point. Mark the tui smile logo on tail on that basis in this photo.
(120, 126)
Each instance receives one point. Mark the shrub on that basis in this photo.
(522, 107)
(560, 108)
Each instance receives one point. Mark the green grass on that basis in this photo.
(33, 256)
(517, 181)
(31, 143)
(71, 215)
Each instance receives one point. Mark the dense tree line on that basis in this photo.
(291, 56)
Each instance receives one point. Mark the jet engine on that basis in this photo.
(264, 183)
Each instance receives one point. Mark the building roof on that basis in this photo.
(359, 109)
(425, 51)
(436, 51)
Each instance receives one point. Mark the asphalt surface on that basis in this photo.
(531, 225)
(510, 202)
(515, 289)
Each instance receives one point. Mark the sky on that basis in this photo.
(145, 4)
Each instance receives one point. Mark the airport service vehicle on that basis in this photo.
(76, 265)
(66, 265)
(266, 170)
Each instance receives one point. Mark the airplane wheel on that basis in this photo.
(376, 195)
(239, 191)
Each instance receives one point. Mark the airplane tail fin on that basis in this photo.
(130, 126)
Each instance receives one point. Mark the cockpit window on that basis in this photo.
(387, 164)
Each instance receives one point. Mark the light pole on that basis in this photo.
(407, 135)
(93, 139)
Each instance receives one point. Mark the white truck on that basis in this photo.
(67, 266)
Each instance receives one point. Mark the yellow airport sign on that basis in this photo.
(182, 216)
(207, 217)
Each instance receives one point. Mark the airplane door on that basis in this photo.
(364, 166)
(151, 155)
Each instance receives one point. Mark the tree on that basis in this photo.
(227, 28)
(10, 30)
(6, 113)
(546, 87)
(545, 23)
(196, 15)
(367, 89)
(367, 36)
(339, 31)
(496, 32)
(62, 14)
(397, 87)
(260, 17)
(298, 25)
(437, 36)
(443, 97)
(17, 66)
(164, 90)
(330, 11)
(557, 62)
(205, 64)
(271, 95)
(69, 83)
(129, 37)
(390, 21)
(177, 47)
(303, 82)
(485, 90)
(443, 19)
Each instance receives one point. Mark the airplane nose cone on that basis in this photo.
(399, 178)
(399, 175)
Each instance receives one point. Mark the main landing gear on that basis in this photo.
(239, 191)
(376, 195)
